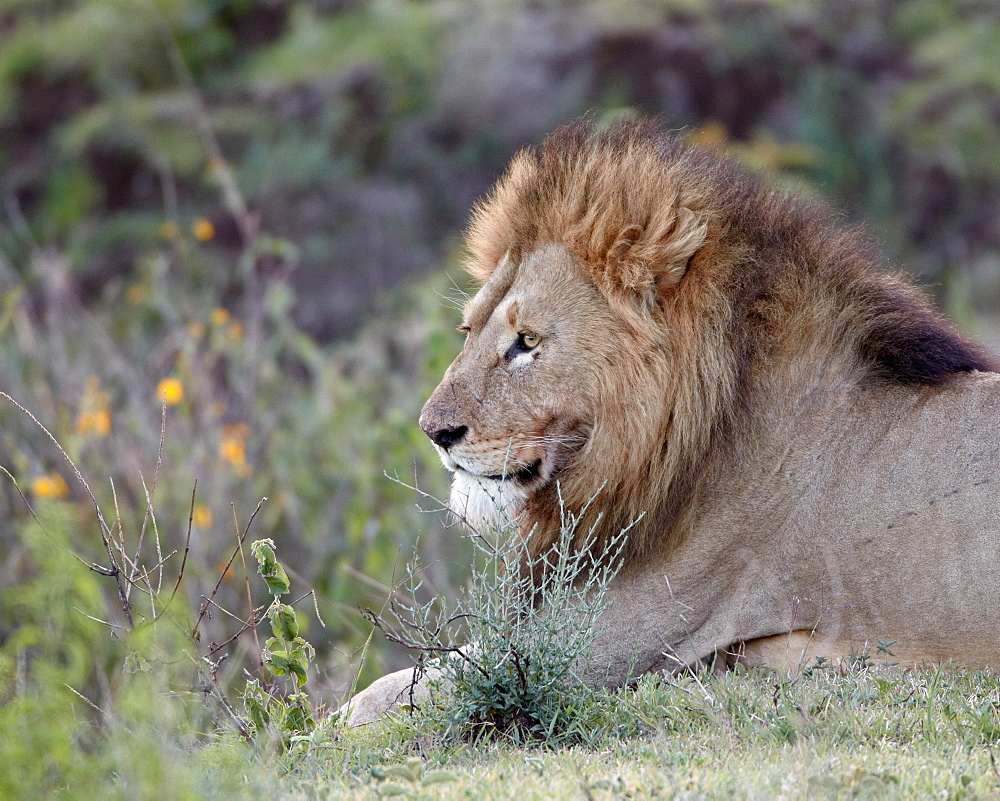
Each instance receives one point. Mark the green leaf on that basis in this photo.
(263, 551)
(277, 582)
(278, 663)
(283, 622)
(438, 777)
(269, 567)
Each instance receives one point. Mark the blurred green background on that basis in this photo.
(253, 207)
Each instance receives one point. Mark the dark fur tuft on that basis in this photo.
(911, 344)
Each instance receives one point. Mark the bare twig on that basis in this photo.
(395, 635)
(241, 538)
(315, 605)
(187, 547)
(246, 579)
(156, 474)
(210, 686)
(107, 623)
(444, 507)
(156, 531)
(86, 700)
(256, 617)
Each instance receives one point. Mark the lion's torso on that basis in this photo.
(878, 524)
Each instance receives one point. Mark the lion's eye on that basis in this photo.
(464, 329)
(529, 340)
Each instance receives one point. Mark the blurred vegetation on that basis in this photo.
(248, 209)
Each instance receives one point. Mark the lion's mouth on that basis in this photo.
(523, 476)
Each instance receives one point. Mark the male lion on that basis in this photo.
(812, 450)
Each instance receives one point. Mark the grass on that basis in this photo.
(875, 732)
(878, 732)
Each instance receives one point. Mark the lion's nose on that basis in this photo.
(446, 437)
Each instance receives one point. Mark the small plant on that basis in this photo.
(284, 654)
(530, 623)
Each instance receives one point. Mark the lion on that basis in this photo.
(806, 452)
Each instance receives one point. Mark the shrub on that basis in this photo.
(528, 624)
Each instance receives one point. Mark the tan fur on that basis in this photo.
(808, 447)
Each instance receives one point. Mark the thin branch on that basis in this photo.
(444, 507)
(315, 605)
(253, 621)
(246, 579)
(187, 548)
(210, 686)
(156, 475)
(241, 538)
(156, 530)
(87, 701)
(107, 623)
(395, 635)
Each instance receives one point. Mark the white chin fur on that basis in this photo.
(486, 504)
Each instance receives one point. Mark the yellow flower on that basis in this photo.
(202, 229)
(219, 316)
(171, 389)
(98, 422)
(233, 447)
(51, 485)
(169, 229)
(202, 516)
(233, 450)
(235, 330)
(94, 416)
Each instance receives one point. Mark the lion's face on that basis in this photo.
(517, 404)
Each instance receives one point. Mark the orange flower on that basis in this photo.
(223, 564)
(203, 229)
(170, 389)
(233, 447)
(94, 416)
(98, 422)
(218, 316)
(51, 485)
(202, 516)
(235, 330)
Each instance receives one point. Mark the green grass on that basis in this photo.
(871, 733)
(875, 732)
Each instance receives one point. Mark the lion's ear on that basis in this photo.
(673, 252)
(654, 259)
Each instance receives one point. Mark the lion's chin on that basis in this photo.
(486, 503)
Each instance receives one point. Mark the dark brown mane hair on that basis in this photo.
(719, 276)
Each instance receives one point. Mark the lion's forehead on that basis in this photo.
(546, 283)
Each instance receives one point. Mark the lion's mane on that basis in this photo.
(767, 282)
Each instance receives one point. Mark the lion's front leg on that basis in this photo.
(388, 694)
